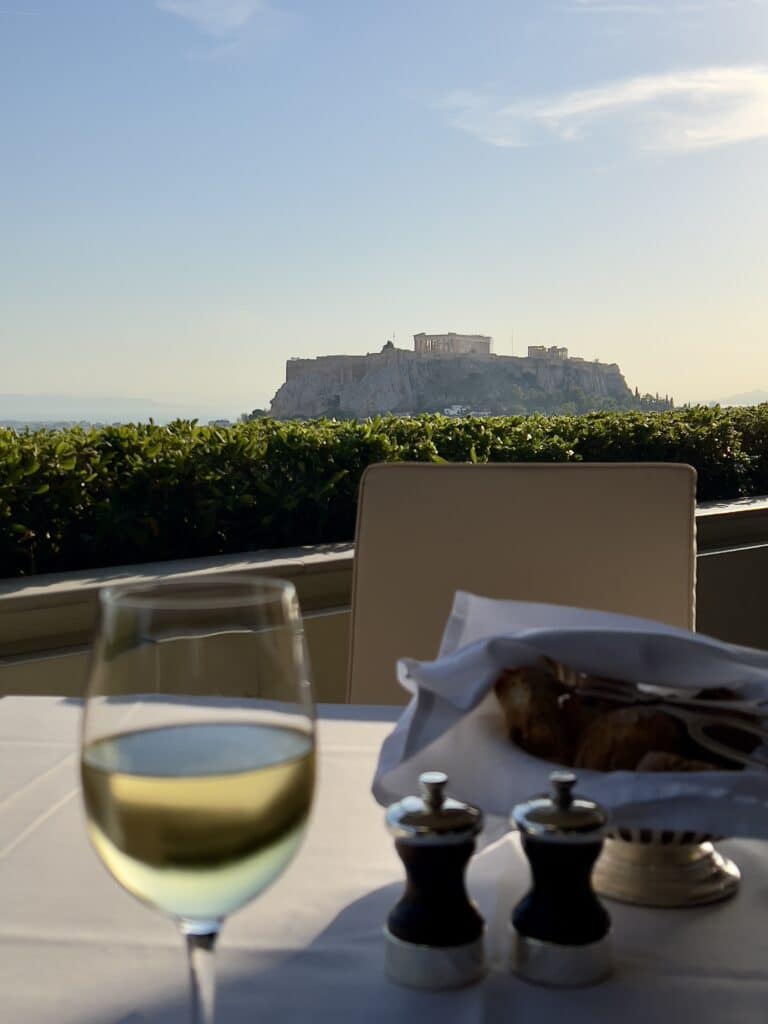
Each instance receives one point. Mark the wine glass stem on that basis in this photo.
(202, 973)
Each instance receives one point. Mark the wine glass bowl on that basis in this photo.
(197, 758)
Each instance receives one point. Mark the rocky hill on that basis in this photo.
(400, 381)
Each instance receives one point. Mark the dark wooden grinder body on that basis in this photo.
(434, 909)
(561, 906)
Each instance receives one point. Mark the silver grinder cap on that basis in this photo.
(433, 817)
(559, 816)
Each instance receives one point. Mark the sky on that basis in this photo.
(193, 191)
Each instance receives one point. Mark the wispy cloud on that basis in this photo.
(676, 111)
(217, 17)
(655, 6)
(613, 7)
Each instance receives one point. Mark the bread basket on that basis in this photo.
(667, 820)
(660, 868)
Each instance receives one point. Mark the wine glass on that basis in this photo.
(196, 799)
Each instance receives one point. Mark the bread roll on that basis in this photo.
(659, 761)
(579, 712)
(548, 715)
(529, 699)
(617, 740)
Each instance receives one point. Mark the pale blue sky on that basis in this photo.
(194, 190)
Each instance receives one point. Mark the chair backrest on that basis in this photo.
(613, 536)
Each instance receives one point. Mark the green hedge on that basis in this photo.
(74, 499)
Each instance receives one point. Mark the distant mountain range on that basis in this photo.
(17, 410)
(747, 398)
(39, 409)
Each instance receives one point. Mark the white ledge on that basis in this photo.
(287, 562)
(58, 610)
(740, 522)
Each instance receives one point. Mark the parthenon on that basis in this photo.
(453, 344)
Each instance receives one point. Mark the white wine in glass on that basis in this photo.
(196, 799)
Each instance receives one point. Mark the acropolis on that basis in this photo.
(446, 372)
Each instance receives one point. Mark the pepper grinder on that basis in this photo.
(434, 934)
(561, 928)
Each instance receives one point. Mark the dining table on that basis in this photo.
(77, 949)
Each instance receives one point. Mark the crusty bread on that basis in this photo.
(618, 739)
(660, 761)
(529, 699)
(549, 715)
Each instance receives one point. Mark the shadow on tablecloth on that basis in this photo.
(339, 976)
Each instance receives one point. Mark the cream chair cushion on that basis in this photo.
(614, 536)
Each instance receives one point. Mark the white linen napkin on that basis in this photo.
(454, 722)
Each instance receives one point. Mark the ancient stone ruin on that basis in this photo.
(450, 373)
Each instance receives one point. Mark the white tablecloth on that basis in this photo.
(76, 949)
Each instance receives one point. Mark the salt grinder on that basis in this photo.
(434, 934)
(561, 930)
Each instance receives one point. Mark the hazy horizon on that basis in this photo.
(197, 190)
(41, 408)
(114, 408)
